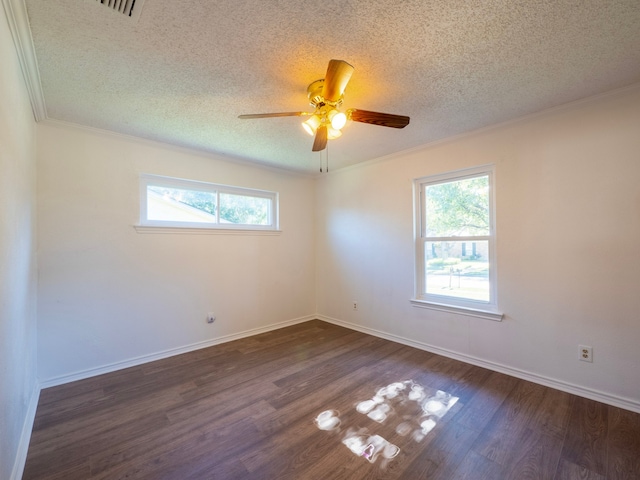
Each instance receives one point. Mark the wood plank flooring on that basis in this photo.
(253, 409)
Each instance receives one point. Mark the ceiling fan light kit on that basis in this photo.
(337, 119)
(326, 97)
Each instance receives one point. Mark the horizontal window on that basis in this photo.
(180, 203)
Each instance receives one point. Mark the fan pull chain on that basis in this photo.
(326, 159)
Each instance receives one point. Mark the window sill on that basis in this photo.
(204, 231)
(472, 312)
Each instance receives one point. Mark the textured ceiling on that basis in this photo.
(186, 69)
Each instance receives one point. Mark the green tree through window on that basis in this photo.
(244, 210)
(458, 208)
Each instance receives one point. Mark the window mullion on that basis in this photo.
(217, 207)
(477, 238)
(423, 219)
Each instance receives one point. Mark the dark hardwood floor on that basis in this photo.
(317, 401)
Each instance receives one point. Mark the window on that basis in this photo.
(455, 252)
(174, 202)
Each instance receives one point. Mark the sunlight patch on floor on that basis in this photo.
(415, 408)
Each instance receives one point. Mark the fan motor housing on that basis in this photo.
(314, 93)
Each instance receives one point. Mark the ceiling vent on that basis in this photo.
(129, 8)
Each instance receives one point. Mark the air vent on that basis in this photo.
(129, 8)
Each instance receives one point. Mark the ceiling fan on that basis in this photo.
(326, 96)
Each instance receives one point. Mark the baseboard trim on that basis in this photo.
(92, 372)
(616, 401)
(25, 436)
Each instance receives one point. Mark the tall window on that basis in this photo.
(455, 239)
(174, 202)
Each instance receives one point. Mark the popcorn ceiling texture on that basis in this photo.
(185, 71)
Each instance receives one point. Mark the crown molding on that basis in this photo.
(18, 19)
(584, 101)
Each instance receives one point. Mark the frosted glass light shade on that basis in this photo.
(332, 133)
(337, 119)
(311, 125)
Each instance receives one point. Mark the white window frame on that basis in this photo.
(147, 225)
(475, 308)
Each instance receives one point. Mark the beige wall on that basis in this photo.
(568, 226)
(18, 385)
(108, 294)
(568, 248)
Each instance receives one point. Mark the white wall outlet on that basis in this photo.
(586, 353)
(211, 317)
(355, 305)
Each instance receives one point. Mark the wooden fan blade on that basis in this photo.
(269, 115)
(335, 81)
(320, 142)
(377, 118)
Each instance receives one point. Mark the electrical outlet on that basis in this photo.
(355, 305)
(586, 353)
(211, 317)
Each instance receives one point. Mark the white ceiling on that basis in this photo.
(186, 69)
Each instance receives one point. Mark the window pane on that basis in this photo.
(180, 205)
(459, 208)
(458, 269)
(244, 210)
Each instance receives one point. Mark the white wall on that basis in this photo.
(18, 385)
(108, 294)
(568, 248)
